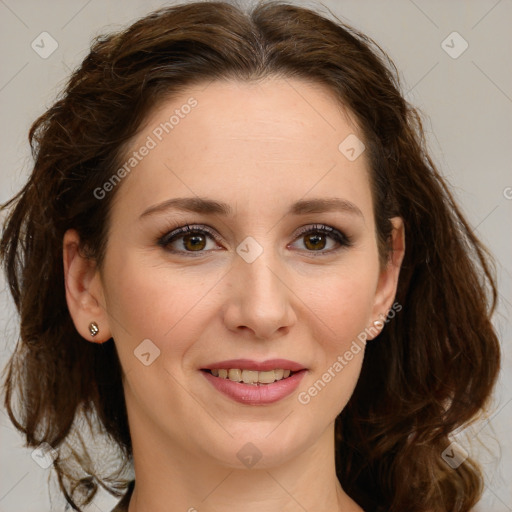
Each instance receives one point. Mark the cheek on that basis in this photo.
(148, 302)
(343, 304)
(340, 307)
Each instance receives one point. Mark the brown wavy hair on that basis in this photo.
(430, 371)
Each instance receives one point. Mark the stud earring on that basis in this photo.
(94, 329)
(379, 324)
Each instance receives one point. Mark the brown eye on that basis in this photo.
(322, 239)
(189, 239)
(194, 242)
(315, 241)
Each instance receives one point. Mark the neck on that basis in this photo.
(170, 479)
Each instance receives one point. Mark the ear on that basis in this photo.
(388, 278)
(84, 292)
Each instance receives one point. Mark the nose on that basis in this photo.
(260, 301)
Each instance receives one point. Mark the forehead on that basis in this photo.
(245, 142)
(279, 111)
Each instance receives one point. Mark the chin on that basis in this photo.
(260, 446)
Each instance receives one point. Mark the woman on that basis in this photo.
(235, 258)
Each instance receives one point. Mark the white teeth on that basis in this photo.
(235, 375)
(267, 377)
(251, 376)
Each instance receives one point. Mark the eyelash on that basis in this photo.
(164, 241)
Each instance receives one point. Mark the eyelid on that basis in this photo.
(324, 228)
(341, 238)
(187, 228)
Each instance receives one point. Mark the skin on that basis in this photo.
(258, 147)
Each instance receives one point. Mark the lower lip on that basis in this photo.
(259, 394)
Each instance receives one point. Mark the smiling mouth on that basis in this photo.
(251, 377)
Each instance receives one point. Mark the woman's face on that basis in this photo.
(281, 264)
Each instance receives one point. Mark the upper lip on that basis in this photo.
(261, 366)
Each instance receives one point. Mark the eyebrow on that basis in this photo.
(212, 207)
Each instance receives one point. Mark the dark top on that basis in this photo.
(122, 506)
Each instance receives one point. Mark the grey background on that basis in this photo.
(467, 106)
